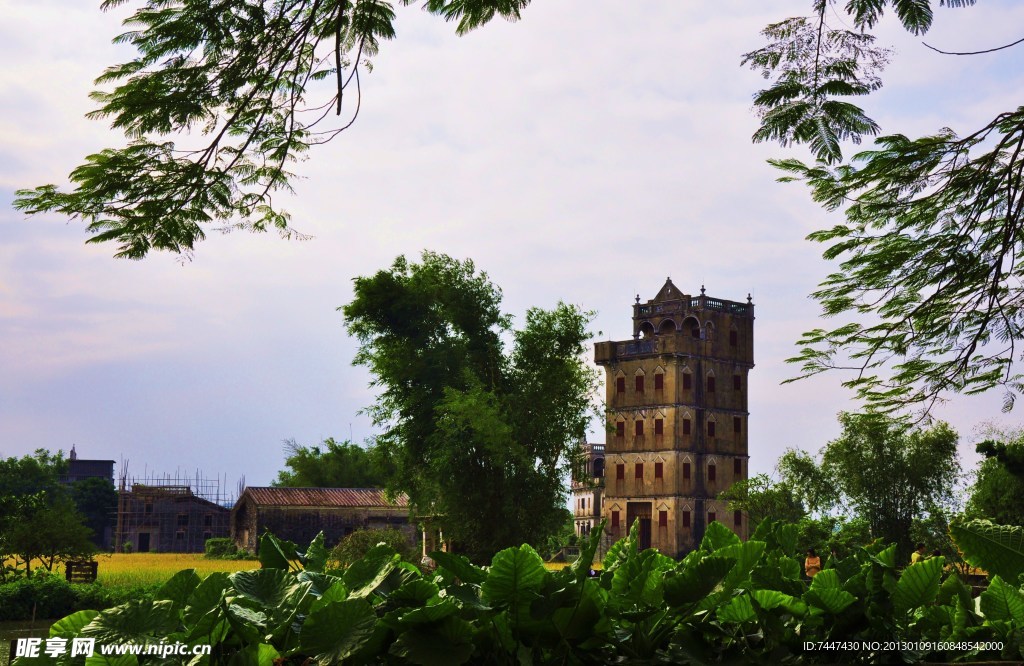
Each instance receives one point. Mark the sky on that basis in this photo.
(584, 154)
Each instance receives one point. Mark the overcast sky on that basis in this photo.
(585, 154)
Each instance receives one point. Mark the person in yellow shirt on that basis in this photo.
(917, 555)
(812, 564)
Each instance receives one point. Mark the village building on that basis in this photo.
(299, 514)
(587, 489)
(677, 418)
(167, 519)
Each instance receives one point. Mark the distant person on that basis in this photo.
(812, 564)
(918, 554)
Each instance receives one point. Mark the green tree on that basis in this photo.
(998, 490)
(52, 532)
(881, 470)
(38, 517)
(96, 499)
(926, 288)
(479, 437)
(330, 465)
(762, 498)
(218, 104)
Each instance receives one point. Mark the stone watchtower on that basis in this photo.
(677, 417)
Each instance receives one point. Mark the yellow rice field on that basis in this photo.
(131, 569)
(127, 569)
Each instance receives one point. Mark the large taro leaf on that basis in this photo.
(826, 593)
(275, 590)
(772, 599)
(691, 582)
(581, 567)
(1002, 601)
(138, 621)
(586, 617)
(777, 571)
(445, 643)
(740, 609)
(515, 576)
(315, 557)
(257, 654)
(276, 553)
(318, 582)
(718, 536)
(638, 581)
(918, 585)
(414, 593)
(204, 617)
(179, 588)
(336, 592)
(460, 566)
(337, 631)
(365, 575)
(998, 549)
(953, 589)
(747, 554)
(72, 625)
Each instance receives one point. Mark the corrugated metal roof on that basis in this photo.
(266, 496)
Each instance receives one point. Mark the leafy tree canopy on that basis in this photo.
(880, 470)
(927, 282)
(222, 99)
(330, 465)
(998, 490)
(761, 498)
(478, 436)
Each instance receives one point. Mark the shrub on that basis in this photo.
(44, 596)
(353, 547)
(222, 548)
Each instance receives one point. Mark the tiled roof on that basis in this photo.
(265, 496)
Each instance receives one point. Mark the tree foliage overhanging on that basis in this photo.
(479, 437)
(222, 99)
(928, 281)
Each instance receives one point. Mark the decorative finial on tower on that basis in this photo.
(702, 290)
(74, 456)
(638, 298)
(750, 300)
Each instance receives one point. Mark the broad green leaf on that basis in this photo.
(446, 643)
(73, 624)
(918, 586)
(337, 631)
(581, 567)
(831, 599)
(414, 593)
(367, 574)
(272, 589)
(747, 554)
(315, 557)
(513, 575)
(688, 584)
(179, 588)
(136, 621)
(319, 582)
(1001, 601)
(428, 614)
(460, 565)
(276, 554)
(740, 609)
(259, 654)
(998, 549)
(336, 592)
(638, 580)
(772, 599)
(825, 578)
(718, 536)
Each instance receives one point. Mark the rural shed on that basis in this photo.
(299, 514)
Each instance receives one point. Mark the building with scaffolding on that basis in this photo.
(170, 515)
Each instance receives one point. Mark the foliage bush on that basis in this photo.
(225, 549)
(355, 546)
(44, 596)
(727, 601)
